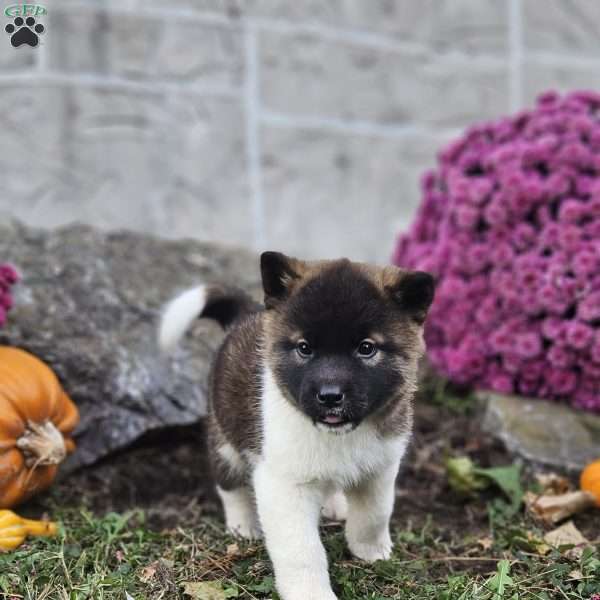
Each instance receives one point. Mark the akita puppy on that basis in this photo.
(310, 405)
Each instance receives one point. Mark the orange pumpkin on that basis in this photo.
(36, 422)
(590, 480)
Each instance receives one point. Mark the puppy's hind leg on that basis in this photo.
(232, 476)
(336, 506)
(240, 512)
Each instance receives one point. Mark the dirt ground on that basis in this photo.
(169, 477)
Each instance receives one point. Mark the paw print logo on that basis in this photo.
(24, 32)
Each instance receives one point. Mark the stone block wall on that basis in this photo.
(300, 125)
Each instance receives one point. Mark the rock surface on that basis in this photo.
(89, 304)
(543, 432)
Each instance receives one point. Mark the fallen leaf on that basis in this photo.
(233, 550)
(552, 509)
(576, 575)
(553, 484)
(166, 563)
(568, 535)
(204, 590)
(528, 541)
(148, 572)
(538, 545)
(485, 542)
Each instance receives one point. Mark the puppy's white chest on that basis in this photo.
(302, 452)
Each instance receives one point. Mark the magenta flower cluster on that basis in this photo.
(510, 225)
(8, 277)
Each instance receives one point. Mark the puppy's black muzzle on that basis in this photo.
(330, 396)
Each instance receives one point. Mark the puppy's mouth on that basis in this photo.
(335, 421)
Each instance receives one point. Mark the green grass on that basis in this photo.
(119, 556)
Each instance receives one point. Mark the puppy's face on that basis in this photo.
(343, 339)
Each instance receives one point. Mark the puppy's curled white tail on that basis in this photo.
(178, 315)
(221, 303)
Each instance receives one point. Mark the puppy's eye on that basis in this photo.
(303, 348)
(366, 349)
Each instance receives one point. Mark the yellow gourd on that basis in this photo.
(14, 530)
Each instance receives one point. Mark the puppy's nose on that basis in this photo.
(330, 396)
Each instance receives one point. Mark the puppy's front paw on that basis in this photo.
(304, 584)
(370, 552)
(306, 593)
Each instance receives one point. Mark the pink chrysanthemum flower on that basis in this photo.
(8, 277)
(510, 226)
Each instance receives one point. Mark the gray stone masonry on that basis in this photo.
(299, 125)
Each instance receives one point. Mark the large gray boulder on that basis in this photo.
(545, 433)
(88, 305)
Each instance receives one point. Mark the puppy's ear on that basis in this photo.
(413, 291)
(278, 275)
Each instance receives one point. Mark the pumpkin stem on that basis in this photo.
(42, 444)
